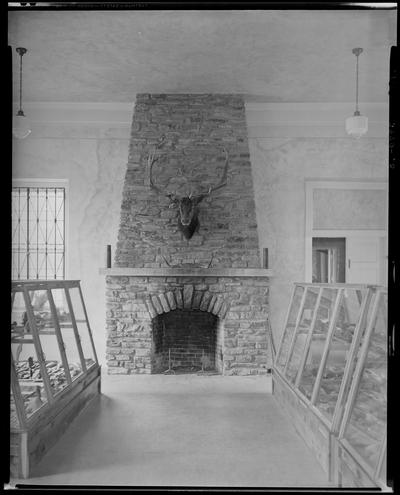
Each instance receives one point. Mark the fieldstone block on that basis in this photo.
(187, 296)
(171, 300)
(211, 304)
(164, 303)
(141, 352)
(197, 299)
(224, 310)
(151, 309)
(157, 305)
(179, 298)
(113, 350)
(205, 301)
(123, 357)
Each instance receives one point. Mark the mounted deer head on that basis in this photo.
(188, 221)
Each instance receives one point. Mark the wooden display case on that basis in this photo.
(54, 367)
(317, 357)
(361, 442)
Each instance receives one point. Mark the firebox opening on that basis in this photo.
(186, 341)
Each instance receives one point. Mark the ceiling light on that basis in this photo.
(357, 125)
(21, 124)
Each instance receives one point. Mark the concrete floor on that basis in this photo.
(182, 430)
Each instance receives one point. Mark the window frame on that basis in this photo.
(49, 183)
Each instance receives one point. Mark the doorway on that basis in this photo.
(329, 259)
(350, 259)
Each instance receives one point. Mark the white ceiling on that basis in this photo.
(273, 56)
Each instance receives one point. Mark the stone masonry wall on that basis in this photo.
(241, 304)
(189, 135)
(196, 128)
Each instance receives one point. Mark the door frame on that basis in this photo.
(310, 232)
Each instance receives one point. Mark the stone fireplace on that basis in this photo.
(198, 304)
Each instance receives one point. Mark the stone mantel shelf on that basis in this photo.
(187, 272)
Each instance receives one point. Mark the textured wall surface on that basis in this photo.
(94, 160)
(273, 53)
(350, 209)
(280, 168)
(197, 128)
(94, 164)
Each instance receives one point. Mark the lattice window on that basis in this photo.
(38, 233)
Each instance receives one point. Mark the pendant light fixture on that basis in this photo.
(357, 125)
(21, 124)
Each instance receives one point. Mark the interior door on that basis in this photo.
(365, 260)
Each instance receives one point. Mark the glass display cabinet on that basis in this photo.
(318, 355)
(54, 367)
(361, 444)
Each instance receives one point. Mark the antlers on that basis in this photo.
(150, 162)
(222, 181)
(152, 159)
(173, 266)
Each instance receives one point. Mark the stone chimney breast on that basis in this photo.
(174, 303)
(196, 129)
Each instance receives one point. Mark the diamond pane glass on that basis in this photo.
(38, 233)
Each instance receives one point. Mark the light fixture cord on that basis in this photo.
(20, 82)
(357, 84)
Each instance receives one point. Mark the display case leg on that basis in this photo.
(24, 463)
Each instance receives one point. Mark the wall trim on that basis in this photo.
(100, 114)
(312, 119)
(186, 272)
(264, 119)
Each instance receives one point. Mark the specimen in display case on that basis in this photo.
(54, 368)
(363, 430)
(318, 355)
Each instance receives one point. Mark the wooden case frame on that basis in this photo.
(316, 429)
(34, 435)
(351, 469)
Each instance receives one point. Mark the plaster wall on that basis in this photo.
(280, 167)
(93, 158)
(349, 209)
(94, 162)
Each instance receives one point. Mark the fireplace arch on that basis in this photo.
(237, 297)
(187, 330)
(187, 298)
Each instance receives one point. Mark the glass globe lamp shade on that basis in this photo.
(21, 125)
(357, 125)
